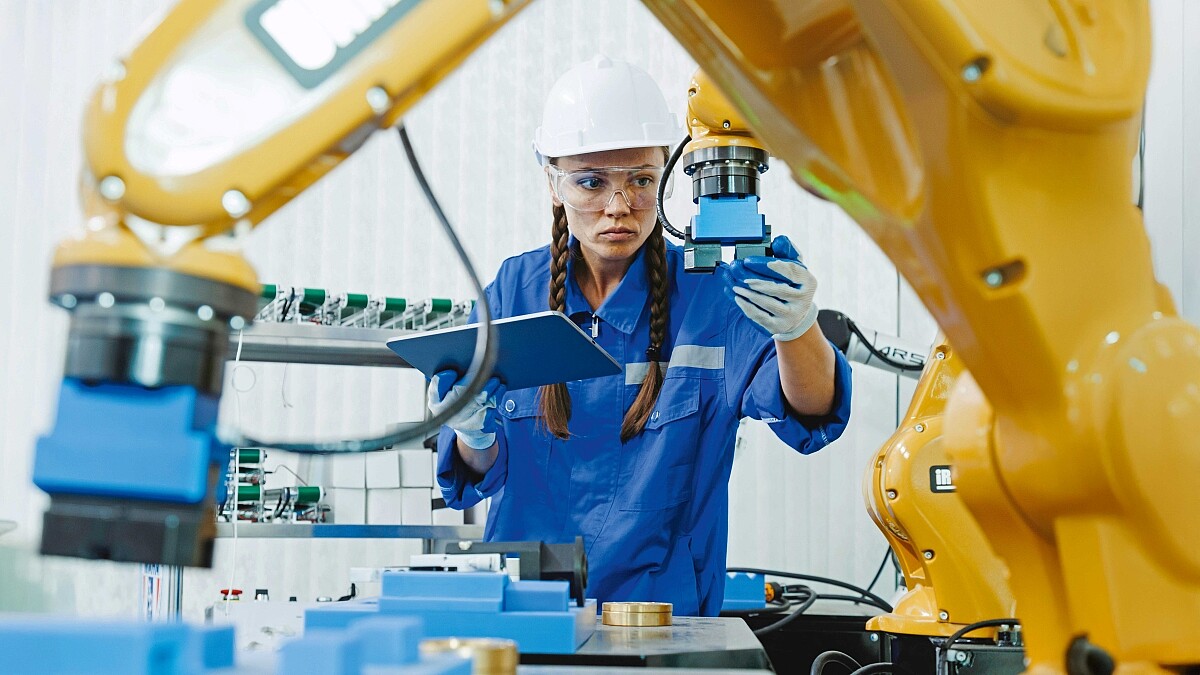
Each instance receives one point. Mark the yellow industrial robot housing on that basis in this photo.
(984, 146)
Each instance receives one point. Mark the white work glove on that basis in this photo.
(776, 293)
(476, 423)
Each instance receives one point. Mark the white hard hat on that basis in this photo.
(604, 104)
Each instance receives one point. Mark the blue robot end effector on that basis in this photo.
(133, 466)
(725, 186)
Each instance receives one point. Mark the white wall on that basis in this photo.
(366, 228)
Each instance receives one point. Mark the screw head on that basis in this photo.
(972, 72)
(378, 99)
(106, 300)
(464, 546)
(115, 72)
(944, 615)
(919, 428)
(157, 304)
(940, 356)
(237, 323)
(891, 494)
(725, 124)
(994, 279)
(928, 555)
(235, 203)
(874, 637)
(204, 312)
(112, 188)
(68, 301)
(960, 656)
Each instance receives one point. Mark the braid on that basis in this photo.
(656, 269)
(555, 399)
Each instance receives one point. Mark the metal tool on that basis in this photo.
(539, 560)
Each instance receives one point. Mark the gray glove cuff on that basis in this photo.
(810, 317)
(476, 440)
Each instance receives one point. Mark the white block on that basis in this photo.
(348, 471)
(349, 505)
(418, 507)
(447, 517)
(385, 507)
(383, 469)
(416, 468)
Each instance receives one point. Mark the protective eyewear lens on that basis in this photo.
(594, 189)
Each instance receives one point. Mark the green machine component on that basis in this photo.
(249, 493)
(441, 305)
(308, 494)
(314, 296)
(394, 304)
(268, 292)
(357, 300)
(250, 455)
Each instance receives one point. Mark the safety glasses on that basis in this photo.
(593, 189)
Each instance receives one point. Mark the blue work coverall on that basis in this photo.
(653, 512)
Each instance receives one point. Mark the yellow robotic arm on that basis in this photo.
(984, 145)
(952, 575)
(223, 113)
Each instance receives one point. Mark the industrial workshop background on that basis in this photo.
(367, 228)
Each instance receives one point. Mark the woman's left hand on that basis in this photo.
(776, 293)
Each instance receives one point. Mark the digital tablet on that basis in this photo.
(535, 349)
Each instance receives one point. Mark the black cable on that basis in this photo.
(825, 658)
(874, 668)
(284, 498)
(878, 354)
(879, 572)
(1086, 658)
(856, 599)
(662, 188)
(879, 602)
(789, 618)
(769, 608)
(482, 362)
(1141, 198)
(941, 662)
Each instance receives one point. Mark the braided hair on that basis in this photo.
(555, 399)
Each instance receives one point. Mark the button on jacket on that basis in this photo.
(653, 512)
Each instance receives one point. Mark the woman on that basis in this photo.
(638, 463)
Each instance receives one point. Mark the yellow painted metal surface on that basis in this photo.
(712, 120)
(187, 65)
(986, 147)
(952, 575)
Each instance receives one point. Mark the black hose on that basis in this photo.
(482, 362)
(662, 188)
(874, 668)
(877, 601)
(879, 572)
(825, 658)
(942, 659)
(878, 354)
(769, 608)
(804, 605)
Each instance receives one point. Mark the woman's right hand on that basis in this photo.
(477, 422)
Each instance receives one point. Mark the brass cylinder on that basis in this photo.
(636, 614)
(488, 656)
